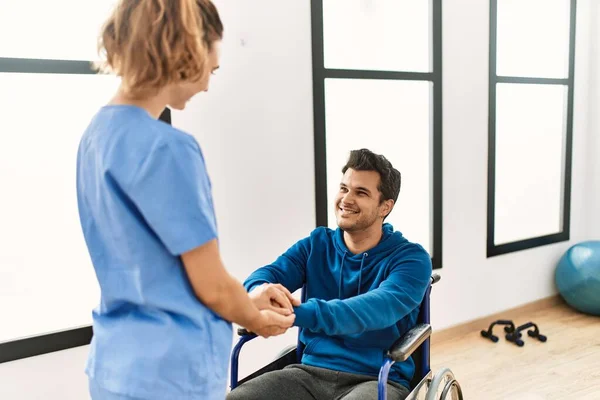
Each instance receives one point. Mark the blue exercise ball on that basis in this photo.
(577, 277)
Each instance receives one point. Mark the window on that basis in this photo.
(530, 123)
(51, 31)
(49, 94)
(377, 84)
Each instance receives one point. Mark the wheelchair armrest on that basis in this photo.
(409, 342)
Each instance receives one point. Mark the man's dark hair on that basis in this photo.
(366, 160)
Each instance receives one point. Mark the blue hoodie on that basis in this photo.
(357, 305)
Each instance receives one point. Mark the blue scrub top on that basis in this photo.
(145, 198)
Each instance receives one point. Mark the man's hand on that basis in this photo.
(272, 323)
(274, 297)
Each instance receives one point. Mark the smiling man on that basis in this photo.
(364, 283)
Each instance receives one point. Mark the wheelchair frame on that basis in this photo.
(414, 343)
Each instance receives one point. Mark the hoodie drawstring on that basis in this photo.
(341, 276)
(362, 263)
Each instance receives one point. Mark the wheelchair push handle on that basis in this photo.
(244, 332)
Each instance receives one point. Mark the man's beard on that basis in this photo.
(359, 225)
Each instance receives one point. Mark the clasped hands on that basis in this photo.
(276, 305)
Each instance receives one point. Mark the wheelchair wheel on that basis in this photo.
(444, 386)
(452, 390)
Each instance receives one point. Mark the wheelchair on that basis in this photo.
(415, 343)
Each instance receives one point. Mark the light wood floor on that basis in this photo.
(567, 366)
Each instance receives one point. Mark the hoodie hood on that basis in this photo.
(390, 240)
(353, 267)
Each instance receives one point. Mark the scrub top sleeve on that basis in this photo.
(172, 191)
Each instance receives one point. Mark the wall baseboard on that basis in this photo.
(517, 313)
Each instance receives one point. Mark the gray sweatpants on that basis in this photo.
(303, 382)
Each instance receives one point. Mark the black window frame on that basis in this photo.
(564, 235)
(320, 73)
(35, 345)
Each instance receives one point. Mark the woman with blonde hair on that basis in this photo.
(163, 328)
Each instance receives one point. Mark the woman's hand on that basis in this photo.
(272, 323)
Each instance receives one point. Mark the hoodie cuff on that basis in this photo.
(306, 315)
(250, 286)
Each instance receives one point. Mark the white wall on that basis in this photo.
(472, 285)
(594, 127)
(269, 101)
(54, 376)
(255, 126)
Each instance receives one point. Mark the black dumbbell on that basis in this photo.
(515, 336)
(535, 332)
(489, 335)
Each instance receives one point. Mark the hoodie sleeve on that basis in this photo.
(288, 270)
(396, 296)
